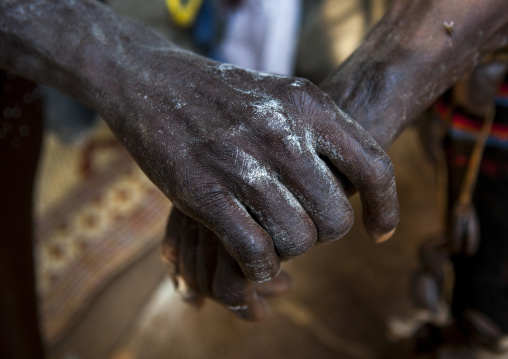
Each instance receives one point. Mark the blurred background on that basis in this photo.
(103, 289)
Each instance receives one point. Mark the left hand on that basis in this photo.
(200, 267)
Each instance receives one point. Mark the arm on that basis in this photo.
(418, 50)
(240, 151)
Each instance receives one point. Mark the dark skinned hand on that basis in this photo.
(259, 170)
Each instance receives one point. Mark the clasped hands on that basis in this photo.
(265, 176)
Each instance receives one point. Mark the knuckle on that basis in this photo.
(275, 135)
(296, 248)
(297, 240)
(256, 257)
(233, 295)
(336, 224)
(381, 172)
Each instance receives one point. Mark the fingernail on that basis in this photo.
(241, 311)
(188, 294)
(384, 237)
(255, 309)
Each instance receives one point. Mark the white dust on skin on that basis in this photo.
(271, 110)
(299, 137)
(258, 176)
(257, 75)
(251, 170)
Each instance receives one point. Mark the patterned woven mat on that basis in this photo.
(96, 213)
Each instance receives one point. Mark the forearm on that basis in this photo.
(80, 47)
(410, 58)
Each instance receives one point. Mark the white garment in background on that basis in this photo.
(262, 35)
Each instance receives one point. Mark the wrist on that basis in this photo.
(80, 47)
(408, 60)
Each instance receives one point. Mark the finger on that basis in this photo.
(187, 260)
(206, 259)
(277, 286)
(324, 201)
(188, 286)
(171, 241)
(275, 208)
(290, 148)
(233, 290)
(366, 165)
(249, 244)
(268, 202)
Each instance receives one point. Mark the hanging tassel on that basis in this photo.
(465, 226)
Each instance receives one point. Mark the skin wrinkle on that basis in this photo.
(315, 208)
(282, 236)
(272, 107)
(277, 121)
(251, 170)
(258, 263)
(330, 192)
